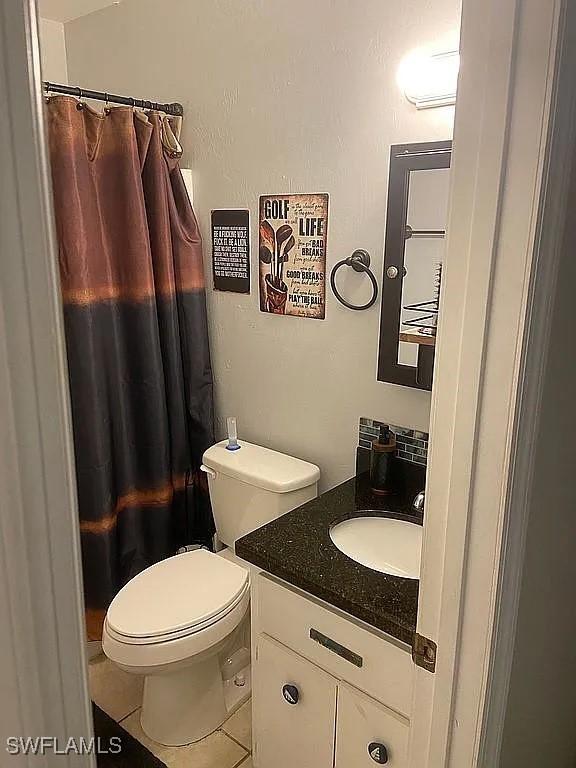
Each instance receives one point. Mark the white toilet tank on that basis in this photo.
(253, 485)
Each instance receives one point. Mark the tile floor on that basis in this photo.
(120, 694)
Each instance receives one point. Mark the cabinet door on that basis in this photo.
(367, 733)
(294, 710)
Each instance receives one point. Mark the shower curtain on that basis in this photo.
(132, 282)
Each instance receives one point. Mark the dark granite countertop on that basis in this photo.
(297, 548)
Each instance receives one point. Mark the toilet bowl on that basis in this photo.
(171, 623)
(178, 621)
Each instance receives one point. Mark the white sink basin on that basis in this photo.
(381, 543)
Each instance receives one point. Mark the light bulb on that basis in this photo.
(429, 80)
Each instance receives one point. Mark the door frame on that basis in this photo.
(509, 86)
(42, 637)
(510, 175)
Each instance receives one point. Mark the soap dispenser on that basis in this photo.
(381, 456)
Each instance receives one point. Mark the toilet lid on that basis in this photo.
(177, 594)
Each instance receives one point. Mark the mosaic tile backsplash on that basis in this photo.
(411, 444)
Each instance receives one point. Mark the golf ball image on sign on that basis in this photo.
(292, 254)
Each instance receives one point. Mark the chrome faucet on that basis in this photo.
(418, 503)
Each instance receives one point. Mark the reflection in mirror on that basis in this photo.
(424, 247)
(416, 218)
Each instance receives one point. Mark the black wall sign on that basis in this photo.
(231, 250)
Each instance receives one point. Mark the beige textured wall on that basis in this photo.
(53, 50)
(285, 97)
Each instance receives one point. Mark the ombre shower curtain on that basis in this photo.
(132, 280)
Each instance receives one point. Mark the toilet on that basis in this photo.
(177, 621)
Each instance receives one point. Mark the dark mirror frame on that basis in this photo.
(404, 158)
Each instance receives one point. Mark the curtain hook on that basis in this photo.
(80, 93)
(106, 104)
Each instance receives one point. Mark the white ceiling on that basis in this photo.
(66, 10)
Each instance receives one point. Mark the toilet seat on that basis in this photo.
(176, 598)
(178, 634)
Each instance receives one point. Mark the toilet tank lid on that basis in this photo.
(261, 467)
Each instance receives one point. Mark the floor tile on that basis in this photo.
(118, 693)
(215, 751)
(239, 726)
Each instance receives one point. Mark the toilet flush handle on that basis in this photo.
(209, 472)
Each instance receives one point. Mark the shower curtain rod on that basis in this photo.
(175, 108)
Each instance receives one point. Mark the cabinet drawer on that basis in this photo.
(368, 734)
(337, 644)
(294, 710)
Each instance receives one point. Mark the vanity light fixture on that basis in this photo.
(429, 80)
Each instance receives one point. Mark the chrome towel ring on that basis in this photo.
(360, 262)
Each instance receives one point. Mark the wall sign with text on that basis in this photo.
(292, 254)
(231, 250)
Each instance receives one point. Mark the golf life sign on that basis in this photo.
(292, 255)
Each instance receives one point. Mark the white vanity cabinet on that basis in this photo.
(327, 691)
(367, 733)
(294, 706)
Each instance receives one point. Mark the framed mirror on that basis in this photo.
(415, 234)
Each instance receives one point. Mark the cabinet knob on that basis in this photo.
(291, 694)
(378, 752)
